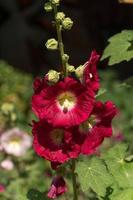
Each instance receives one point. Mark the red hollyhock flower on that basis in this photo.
(98, 126)
(58, 187)
(55, 144)
(90, 75)
(39, 84)
(67, 103)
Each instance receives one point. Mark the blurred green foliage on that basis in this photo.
(16, 88)
(121, 93)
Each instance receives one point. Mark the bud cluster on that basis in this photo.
(63, 22)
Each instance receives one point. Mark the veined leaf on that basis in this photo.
(118, 167)
(93, 174)
(126, 194)
(120, 48)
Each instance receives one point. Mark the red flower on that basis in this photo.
(39, 84)
(55, 165)
(57, 188)
(98, 126)
(55, 144)
(2, 188)
(90, 75)
(67, 103)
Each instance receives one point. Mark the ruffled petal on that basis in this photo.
(55, 148)
(46, 106)
(90, 75)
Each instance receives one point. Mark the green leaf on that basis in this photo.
(93, 174)
(120, 48)
(101, 92)
(35, 195)
(118, 167)
(126, 194)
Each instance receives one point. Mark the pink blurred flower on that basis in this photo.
(2, 188)
(7, 164)
(15, 142)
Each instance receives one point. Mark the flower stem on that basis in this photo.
(75, 195)
(60, 42)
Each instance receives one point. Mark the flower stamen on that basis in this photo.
(57, 136)
(66, 101)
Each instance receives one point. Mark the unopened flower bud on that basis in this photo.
(13, 117)
(48, 7)
(79, 71)
(67, 23)
(53, 76)
(60, 16)
(7, 108)
(70, 68)
(56, 2)
(52, 44)
(65, 57)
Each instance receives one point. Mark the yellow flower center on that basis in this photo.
(15, 141)
(66, 101)
(57, 136)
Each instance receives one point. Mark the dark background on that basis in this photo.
(25, 27)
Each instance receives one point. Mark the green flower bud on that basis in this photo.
(79, 71)
(13, 117)
(60, 16)
(52, 44)
(67, 23)
(53, 76)
(48, 7)
(70, 68)
(55, 2)
(65, 57)
(7, 108)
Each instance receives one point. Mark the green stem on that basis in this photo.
(60, 42)
(75, 195)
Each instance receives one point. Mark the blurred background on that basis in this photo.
(24, 29)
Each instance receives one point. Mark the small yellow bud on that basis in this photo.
(48, 7)
(53, 76)
(67, 23)
(52, 44)
(70, 68)
(7, 108)
(13, 117)
(60, 16)
(56, 2)
(65, 57)
(79, 71)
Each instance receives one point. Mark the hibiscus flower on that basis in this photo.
(92, 132)
(65, 104)
(57, 145)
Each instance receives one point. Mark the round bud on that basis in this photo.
(60, 16)
(53, 76)
(70, 68)
(65, 57)
(7, 108)
(48, 7)
(52, 44)
(67, 23)
(55, 2)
